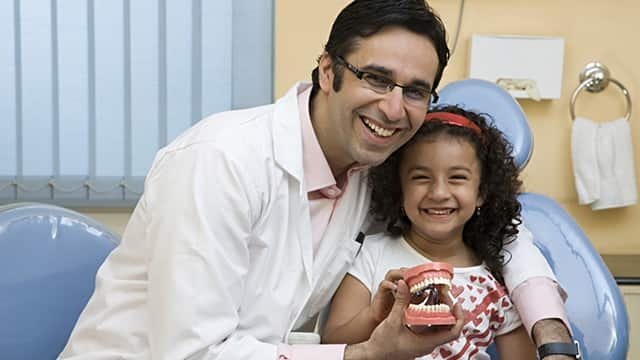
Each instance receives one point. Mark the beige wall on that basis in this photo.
(593, 30)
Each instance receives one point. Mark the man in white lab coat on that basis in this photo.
(249, 219)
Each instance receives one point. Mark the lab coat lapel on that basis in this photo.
(287, 133)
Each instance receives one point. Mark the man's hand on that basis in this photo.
(393, 340)
(549, 331)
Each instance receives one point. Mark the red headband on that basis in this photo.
(453, 119)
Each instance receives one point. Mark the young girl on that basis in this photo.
(448, 195)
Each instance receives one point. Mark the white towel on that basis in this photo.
(585, 160)
(603, 166)
(615, 162)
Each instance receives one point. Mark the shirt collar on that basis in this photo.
(317, 173)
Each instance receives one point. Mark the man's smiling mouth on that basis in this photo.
(379, 131)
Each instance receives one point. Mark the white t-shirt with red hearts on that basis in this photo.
(488, 309)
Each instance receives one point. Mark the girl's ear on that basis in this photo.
(480, 201)
(325, 72)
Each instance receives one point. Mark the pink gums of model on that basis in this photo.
(429, 284)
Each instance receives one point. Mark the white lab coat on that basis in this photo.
(217, 261)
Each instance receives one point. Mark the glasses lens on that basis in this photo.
(378, 83)
(416, 94)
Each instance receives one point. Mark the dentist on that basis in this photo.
(250, 219)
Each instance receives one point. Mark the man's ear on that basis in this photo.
(325, 72)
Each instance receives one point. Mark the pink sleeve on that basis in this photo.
(310, 352)
(539, 298)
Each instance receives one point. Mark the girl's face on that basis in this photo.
(440, 179)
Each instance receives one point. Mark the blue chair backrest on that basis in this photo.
(48, 261)
(595, 307)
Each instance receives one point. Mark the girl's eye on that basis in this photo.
(459, 177)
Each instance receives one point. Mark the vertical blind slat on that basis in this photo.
(126, 38)
(91, 83)
(145, 84)
(37, 107)
(178, 66)
(216, 56)
(252, 79)
(18, 87)
(8, 100)
(163, 133)
(73, 87)
(196, 61)
(109, 45)
(55, 96)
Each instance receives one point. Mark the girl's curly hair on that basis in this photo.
(497, 223)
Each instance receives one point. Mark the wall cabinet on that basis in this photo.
(631, 295)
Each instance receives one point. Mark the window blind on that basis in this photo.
(91, 89)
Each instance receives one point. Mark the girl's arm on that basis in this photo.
(353, 315)
(516, 345)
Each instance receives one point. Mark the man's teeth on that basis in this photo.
(430, 308)
(426, 282)
(382, 132)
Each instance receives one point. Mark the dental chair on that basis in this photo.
(49, 257)
(594, 306)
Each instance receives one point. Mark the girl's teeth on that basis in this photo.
(439, 212)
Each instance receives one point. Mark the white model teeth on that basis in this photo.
(430, 308)
(426, 282)
(382, 132)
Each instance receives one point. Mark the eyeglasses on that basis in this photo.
(413, 95)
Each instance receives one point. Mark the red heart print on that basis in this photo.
(456, 290)
(444, 352)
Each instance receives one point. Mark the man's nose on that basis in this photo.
(392, 105)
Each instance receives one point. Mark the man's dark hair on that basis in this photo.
(363, 18)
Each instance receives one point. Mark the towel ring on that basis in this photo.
(595, 78)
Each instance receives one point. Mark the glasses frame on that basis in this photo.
(360, 74)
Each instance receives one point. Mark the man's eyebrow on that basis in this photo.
(378, 69)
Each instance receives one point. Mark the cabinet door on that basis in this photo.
(631, 295)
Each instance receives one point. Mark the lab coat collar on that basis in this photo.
(287, 132)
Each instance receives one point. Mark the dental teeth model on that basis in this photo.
(429, 285)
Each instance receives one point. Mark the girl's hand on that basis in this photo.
(384, 297)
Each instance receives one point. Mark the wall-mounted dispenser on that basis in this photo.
(529, 67)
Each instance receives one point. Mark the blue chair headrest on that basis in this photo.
(488, 98)
(48, 262)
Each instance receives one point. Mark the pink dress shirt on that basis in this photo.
(324, 192)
